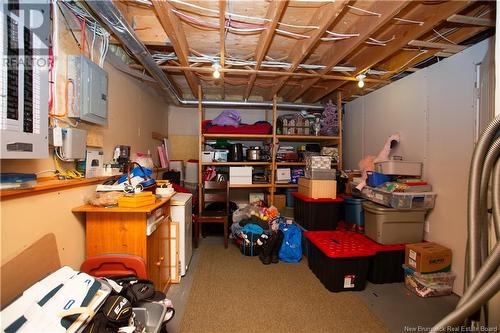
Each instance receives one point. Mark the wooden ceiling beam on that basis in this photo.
(471, 20)
(322, 17)
(274, 13)
(342, 48)
(430, 14)
(287, 74)
(446, 47)
(222, 38)
(400, 62)
(173, 27)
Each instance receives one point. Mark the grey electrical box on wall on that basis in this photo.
(88, 93)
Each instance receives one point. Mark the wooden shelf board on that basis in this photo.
(306, 138)
(49, 185)
(235, 163)
(290, 163)
(239, 136)
(250, 186)
(286, 185)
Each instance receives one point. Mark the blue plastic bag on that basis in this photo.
(291, 248)
(136, 172)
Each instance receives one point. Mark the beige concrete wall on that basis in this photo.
(434, 111)
(135, 109)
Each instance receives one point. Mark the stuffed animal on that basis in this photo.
(368, 162)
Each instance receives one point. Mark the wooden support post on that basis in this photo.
(274, 143)
(339, 112)
(200, 149)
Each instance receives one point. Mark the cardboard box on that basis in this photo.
(279, 201)
(317, 189)
(240, 175)
(428, 257)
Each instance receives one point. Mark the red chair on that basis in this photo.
(109, 265)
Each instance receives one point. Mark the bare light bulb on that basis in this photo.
(216, 73)
(361, 80)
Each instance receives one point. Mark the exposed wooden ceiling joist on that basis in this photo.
(322, 17)
(173, 27)
(471, 20)
(274, 13)
(342, 48)
(260, 72)
(446, 47)
(430, 16)
(400, 62)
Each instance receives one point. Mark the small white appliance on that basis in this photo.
(181, 206)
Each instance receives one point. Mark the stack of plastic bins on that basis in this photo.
(316, 214)
(354, 214)
(340, 259)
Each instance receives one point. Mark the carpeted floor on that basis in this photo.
(234, 293)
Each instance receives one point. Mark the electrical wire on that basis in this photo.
(380, 42)
(210, 59)
(408, 21)
(365, 11)
(60, 172)
(443, 37)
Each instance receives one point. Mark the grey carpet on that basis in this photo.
(234, 293)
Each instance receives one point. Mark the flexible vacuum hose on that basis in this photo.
(490, 266)
(482, 282)
(496, 199)
(489, 289)
(474, 204)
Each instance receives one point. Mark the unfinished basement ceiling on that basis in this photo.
(302, 51)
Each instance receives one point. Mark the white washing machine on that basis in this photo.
(181, 205)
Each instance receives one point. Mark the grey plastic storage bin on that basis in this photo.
(321, 174)
(393, 226)
(150, 315)
(399, 168)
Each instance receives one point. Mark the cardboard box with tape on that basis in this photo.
(428, 257)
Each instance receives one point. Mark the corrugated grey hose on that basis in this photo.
(483, 283)
(474, 212)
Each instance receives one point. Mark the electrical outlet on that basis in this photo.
(57, 137)
(426, 227)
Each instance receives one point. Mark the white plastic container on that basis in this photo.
(399, 168)
(240, 175)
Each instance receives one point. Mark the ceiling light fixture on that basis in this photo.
(216, 67)
(361, 80)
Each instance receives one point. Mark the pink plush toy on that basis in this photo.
(368, 162)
